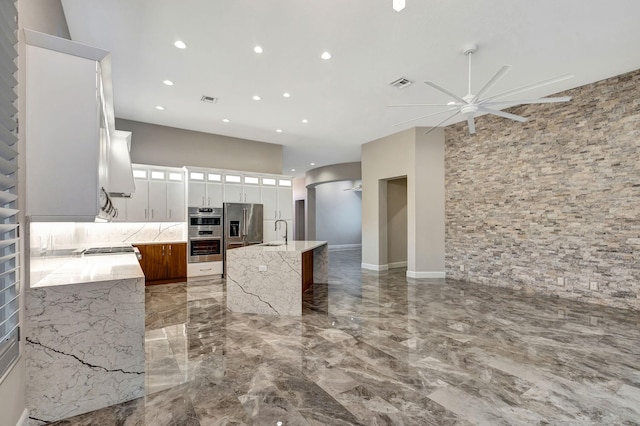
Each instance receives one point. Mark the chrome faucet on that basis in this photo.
(286, 231)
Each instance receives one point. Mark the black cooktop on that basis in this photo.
(108, 250)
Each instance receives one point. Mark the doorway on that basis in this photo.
(397, 223)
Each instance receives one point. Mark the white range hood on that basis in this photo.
(121, 183)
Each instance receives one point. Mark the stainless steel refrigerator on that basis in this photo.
(242, 226)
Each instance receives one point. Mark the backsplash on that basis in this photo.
(47, 237)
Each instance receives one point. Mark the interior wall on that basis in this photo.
(551, 204)
(420, 158)
(169, 146)
(45, 16)
(339, 213)
(397, 222)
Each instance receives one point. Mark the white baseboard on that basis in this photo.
(422, 274)
(336, 247)
(393, 265)
(24, 418)
(372, 267)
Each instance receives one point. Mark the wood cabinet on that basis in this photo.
(163, 263)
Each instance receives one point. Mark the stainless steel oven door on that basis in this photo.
(205, 249)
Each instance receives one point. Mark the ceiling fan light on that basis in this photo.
(398, 5)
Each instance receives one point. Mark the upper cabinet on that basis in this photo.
(240, 188)
(159, 195)
(204, 188)
(69, 123)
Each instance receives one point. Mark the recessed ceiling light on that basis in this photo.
(293, 170)
(256, 98)
(180, 44)
(286, 94)
(160, 108)
(168, 82)
(326, 55)
(258, 49)
(279, 130)
(305, 121)
(312, 164)
(225, 120)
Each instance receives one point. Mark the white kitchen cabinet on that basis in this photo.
(241, 188)
(204, 189)
(233, 193)
(269, 200)
(285, 203)
(157, 201)
(138, 204)
(159, 195)
(175, 201)
(67, 122)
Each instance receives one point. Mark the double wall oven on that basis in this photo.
(205, 232)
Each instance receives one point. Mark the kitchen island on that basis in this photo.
(270, 278)
(84, 328)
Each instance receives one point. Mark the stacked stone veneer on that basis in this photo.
(555, 197)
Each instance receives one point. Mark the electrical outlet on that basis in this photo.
(561, 281)
(262, 268)
(593, 285)
(461, 268)
(593, 320)
(561, 313)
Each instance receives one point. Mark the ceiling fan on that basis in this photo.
(472, 104)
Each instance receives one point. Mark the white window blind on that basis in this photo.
(9, 285)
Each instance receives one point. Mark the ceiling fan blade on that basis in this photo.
(501, 72)
(428, 115)
(504, 114)
(472, 125)
(445, 91)
(528, 101)
(440, 123)
(531, 86)
(412, 105)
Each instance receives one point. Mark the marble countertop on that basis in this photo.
(68, 270)
(291, 246)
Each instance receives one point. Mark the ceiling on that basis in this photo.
(344, 98)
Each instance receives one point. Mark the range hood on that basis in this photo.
(121, 183)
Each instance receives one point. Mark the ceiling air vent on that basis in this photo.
(209, 99)
(401, 82)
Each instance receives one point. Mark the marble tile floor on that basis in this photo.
(381, 349)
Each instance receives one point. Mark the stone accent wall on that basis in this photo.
(556, 197)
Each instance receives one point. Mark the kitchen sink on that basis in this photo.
(275, 244)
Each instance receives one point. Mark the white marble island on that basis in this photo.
(270, 278)
(84, 334)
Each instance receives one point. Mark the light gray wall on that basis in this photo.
(338, 213)
(420, 158)
(397, 222)
(45, 16)
(169, 146)
(334, 173)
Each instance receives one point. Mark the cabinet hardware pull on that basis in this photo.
(203, 201)
(145, 213)
(207, 269)
(152, 215)
(208, 201)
